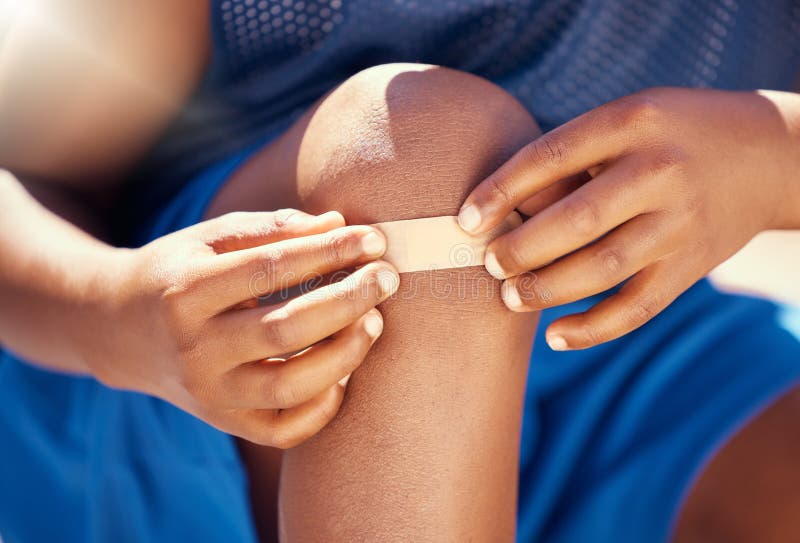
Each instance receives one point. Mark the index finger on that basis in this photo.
(583, 142)
(238, 276)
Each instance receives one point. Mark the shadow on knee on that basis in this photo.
(403, 141)
(395, 141)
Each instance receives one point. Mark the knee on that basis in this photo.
(403, 141)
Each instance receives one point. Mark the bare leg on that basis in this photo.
(426, 445)
(750, 491)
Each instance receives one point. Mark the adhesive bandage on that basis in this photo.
(437, 243)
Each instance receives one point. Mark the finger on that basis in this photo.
(241, 275)
(288, 428)
(588, 140)
(643, 297)
(555, 192)
(280, 385)
(591, 211)
(255, 334)
(243, 230)
(593, 269)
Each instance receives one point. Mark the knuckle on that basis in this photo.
(281, 217)
(176, 316)
(547, 150)
(172, 302)
(510, 257)
(279, 331)
(533, 291)
(641, 110)
(642, 310)
(272, 262)
(669, 163)
(174, 305)
(177, 292)
(282, 392)
(581, 214)
(187, 350)
(336, 248)
(200, 389)
(500, 190)
(611, 261)
(592, 334)
(268, 271)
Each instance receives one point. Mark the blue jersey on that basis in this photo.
(273, 58)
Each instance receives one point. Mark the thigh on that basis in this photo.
(669, 422)
(750, 489)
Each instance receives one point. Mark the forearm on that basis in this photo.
(53, 275)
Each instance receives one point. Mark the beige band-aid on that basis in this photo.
(437, 243)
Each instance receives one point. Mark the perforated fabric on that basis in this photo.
(272, 58)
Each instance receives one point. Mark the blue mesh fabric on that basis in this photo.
(560, 58)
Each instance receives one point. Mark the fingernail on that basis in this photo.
(388, 282)
(510, 296)
(372, 244)
(373, 324)
(343, 381)
(557, 343)
(469, 218)
(493, 266)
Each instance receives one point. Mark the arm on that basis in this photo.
(45, 284)
(82, 100)
(85, 88)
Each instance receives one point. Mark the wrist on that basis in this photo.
(787, 209)
(97, 302)
(787, 214)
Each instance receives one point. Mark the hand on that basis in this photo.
(679, 181)
(186, 326)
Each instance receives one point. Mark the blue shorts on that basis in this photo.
(612, 438)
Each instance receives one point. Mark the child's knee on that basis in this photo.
(403, 141)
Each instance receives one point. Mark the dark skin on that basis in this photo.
(425, 447)
(672, 194)
(748, 491)
(165, 313)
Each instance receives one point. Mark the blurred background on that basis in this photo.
(768, 266)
